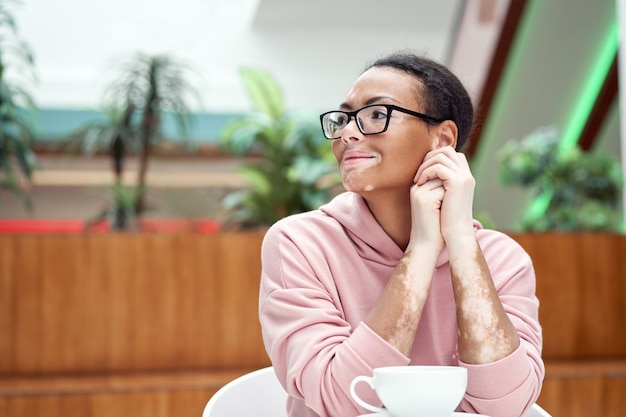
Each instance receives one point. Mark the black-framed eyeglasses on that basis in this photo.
(371, 120)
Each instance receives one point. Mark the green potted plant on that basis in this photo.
(584, 188)
(294, 173)
(17, 108)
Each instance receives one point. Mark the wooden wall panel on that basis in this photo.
(175, 403)
(581, 284)
(26, 327)
(8, 300)
(581, 391)
(124, 303)
(126, 314)
(171, 394)
(64, 310)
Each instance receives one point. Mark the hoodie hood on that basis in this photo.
(370, 240)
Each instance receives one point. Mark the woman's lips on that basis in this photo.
(357, 157)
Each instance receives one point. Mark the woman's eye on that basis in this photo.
(378, 115)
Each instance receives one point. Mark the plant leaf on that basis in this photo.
(264, 92)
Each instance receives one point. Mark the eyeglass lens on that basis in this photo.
(370, 120)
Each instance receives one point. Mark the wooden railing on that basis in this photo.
(152, 324)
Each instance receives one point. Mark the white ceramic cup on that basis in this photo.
(415, 391)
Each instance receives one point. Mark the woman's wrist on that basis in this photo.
(461, 242)
(423, 250)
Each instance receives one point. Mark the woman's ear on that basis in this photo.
(447, 133)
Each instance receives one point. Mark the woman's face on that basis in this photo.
(387, 160)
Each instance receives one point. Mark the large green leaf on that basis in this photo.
(308, 170)
(257, 179)
(264, 92)
(296, 157)
(242, 135)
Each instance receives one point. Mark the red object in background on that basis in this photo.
(17, 226)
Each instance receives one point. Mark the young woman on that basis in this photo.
(395, 271)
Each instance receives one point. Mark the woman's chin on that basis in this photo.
(362, 189)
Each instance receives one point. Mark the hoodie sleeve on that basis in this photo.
(508, 387)
(314, 350)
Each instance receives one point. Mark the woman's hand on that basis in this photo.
(486, 333)
(452, 170)
(426, 202)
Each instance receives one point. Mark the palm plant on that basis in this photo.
(153, 85)
(113, 134)
(16, 106)
(293, 174)
(146, 87)
(116, 136)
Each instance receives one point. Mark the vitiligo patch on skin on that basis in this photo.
(409, 310)
(352, 175)
(484, 332)
(488, 340)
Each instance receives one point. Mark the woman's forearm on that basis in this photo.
(486, 334)
(397, 313)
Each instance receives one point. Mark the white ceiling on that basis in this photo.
(414, 15)
(314, 48)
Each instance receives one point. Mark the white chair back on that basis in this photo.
(536, 411)
(257, 394)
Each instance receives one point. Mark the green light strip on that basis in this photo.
(588, 98)
(590, 94)
(539, 206)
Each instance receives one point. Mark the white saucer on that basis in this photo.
(452, 415)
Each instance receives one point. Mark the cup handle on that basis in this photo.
(359, 401)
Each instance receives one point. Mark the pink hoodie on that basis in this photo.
(322, 273)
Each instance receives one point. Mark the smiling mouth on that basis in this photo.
(358, 160)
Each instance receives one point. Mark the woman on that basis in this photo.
(395, 271)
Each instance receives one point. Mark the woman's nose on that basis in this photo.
(351, 131)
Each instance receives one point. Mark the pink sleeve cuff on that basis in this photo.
(485, 381)
(373, 350)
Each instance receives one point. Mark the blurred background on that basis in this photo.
(529, 65)
(201, 116)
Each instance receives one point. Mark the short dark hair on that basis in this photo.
(441, 92)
